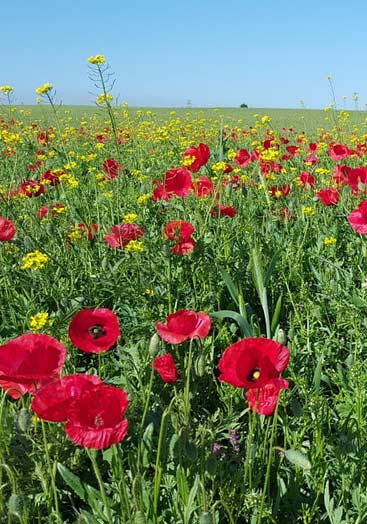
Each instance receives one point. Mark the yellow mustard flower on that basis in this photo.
(134, 246)
(44, 89)
(39, 321)
(34, 260)
(329, 241)
(130, 218)
(97, 59)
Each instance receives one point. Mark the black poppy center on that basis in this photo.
(254, 375)
(97, 331)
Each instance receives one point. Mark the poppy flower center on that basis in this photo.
(254, 375)
(97, 331)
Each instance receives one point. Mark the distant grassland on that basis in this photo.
(308, 120)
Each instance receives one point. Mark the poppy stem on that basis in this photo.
(187, 386)
(51, 472)
(147, 401)
(97, 472)
(248, 462)
(270, 460)
(169, 283)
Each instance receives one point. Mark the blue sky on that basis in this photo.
(272, 53)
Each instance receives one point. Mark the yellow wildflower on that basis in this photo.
(142, 200)
(97, 59)
(104, 98)
(308, 210)
(43, 90)
(34, 260)
(130, 218)
(134, 246)
(329, 241)
(39, 321)
(6, 89)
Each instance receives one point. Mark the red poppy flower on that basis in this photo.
(53, 401)
(328, 196)
(7, 229)
(203, 187)
(184, 325)
(121, 234)
(338, 152)
(180, 232)
(30, 361)
(253, 362)
(264, 400)
(223, 211)
(112, 167)
(358, 218)
(200, 155)
(357, 177)
(177, 181)
(341, 174)
(32, 188)
(51, 210)
(305, 178)
(96, 420)
(94, 330)
(242, 158)
(280, 191)
(91, 230)
(51, 178)
(166, 367)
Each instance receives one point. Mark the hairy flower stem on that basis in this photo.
(109, 109)
(247, 475)
(97, 472)
(270, 460)
(51, 473)
(158, 466)
(187, 386)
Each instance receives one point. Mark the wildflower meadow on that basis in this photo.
(183, 313)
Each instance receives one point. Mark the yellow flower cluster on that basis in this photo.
(39, 321)
(34, 260)
(150, 292)
(130, 218)
(329, 241)
(219, 167)
(97, 59)
(43, 90)
(134, 246)
(6, 89)
(308, 210)
(69, 180)
(142, 200)
(104, 98)
(188, 160)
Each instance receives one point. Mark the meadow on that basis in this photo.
(183, 314)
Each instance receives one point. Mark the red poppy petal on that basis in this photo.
(96, 438)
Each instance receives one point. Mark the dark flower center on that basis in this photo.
(254, 375)
(97, 331)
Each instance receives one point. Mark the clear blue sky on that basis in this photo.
(271, 53)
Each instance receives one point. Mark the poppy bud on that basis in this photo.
(16, 505)
(154, 345)
(281, 337)
(24, 420)
(205, 518)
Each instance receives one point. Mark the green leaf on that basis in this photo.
(276, 315)
(243, 324)
(230, 285)
(147, 444)
(317, 376)
(298, 459)
(86, 492)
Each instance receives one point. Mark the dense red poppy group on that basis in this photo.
(93, 411)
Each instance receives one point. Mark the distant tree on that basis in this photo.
(243, 105)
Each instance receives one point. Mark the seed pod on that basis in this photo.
(16, 505)
(154, 345)
(205, 518)
(281, 338)
(200, 365)
(23, 420)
